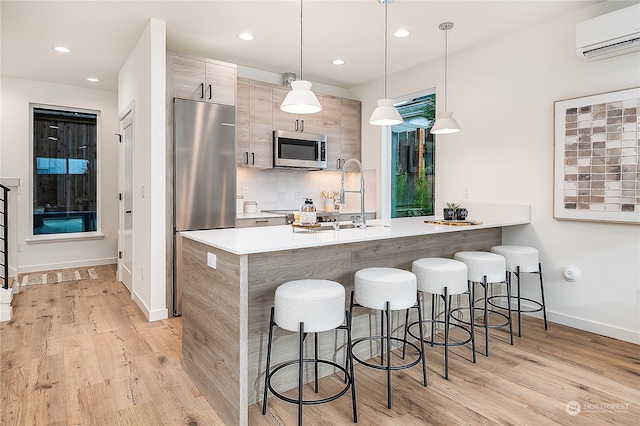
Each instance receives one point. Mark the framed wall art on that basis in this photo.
(597, 151)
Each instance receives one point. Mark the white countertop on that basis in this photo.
(276, 238)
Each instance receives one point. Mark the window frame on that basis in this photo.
(92, 235)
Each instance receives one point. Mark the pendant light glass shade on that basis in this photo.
(385, 114)
(445, 123)
(300, 99)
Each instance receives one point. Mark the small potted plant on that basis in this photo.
(449, 212)
(461, 213)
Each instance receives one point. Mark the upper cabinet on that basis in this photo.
(203, 79)
(254, 125)
(350, 130)
(308, 123)
(258, 114)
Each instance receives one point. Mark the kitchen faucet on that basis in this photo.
(360, 222)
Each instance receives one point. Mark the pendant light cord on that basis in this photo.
(446, 64)
(301, 1)
(386, 4)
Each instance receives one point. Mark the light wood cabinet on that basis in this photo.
(342, 119)
(203, 79)
(254, 134)
(350, 130)
(258, 114)
(331, 128)
(262, 221)
(308, 123)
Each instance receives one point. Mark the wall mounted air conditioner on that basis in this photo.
(613, 34)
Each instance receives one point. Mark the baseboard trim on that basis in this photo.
(607, 330)
(156, 315)
(67, 265)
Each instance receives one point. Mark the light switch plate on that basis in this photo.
(212, 260)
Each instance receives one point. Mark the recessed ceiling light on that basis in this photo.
(93, 79)
(338, 62)
(246, 36)
(401, 33)
(62, 49)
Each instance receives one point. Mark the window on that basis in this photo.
(65, 189)
(413, 158)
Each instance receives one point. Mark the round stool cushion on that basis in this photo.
(524, 257)
(376, 286)
(317, 303)
(481, 263)
(436, 273)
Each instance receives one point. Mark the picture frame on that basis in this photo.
(596, 157)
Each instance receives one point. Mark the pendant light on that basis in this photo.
(300, 99)
(445, 123)
(385, 114)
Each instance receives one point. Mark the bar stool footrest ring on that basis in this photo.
(312, 401)
(384, 367)
(481, 324)
(525, 310)
(454, 343)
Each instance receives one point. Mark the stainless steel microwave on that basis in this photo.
(299, 150)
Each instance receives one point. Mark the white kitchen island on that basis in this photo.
(226, 305)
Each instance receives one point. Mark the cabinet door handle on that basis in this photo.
(253, 158)
(262, 221)
(296, 128)
(201, 90)
(128, 211)
(302, 125)
(339, 164)
(210, 92)
(246, 158)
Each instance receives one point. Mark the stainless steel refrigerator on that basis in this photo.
(204, 174)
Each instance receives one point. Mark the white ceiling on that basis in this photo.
(103, 33)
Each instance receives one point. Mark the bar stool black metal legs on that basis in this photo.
(387, 290)
(523, 260)
(310, 306)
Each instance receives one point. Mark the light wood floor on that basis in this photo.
(81, 353)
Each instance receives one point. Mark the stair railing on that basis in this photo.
(4, 235)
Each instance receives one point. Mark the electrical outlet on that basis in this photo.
(142, 272)
(465, 193)
(143, 192)
(19, 246)
(212, 260)
(245, 191)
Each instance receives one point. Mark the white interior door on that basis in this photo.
(125, 231)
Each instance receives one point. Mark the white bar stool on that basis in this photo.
(310, 306)
(523, 260)
(386, 290)
(445, 278)
(487, 269)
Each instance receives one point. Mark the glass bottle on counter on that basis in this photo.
(308, 213)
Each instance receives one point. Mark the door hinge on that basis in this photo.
(119, 255)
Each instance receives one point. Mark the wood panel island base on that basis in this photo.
(226, 304)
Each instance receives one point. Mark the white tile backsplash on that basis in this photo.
(287, 189)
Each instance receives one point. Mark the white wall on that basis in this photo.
(502, 94)
(15, 141)
(142, 83)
